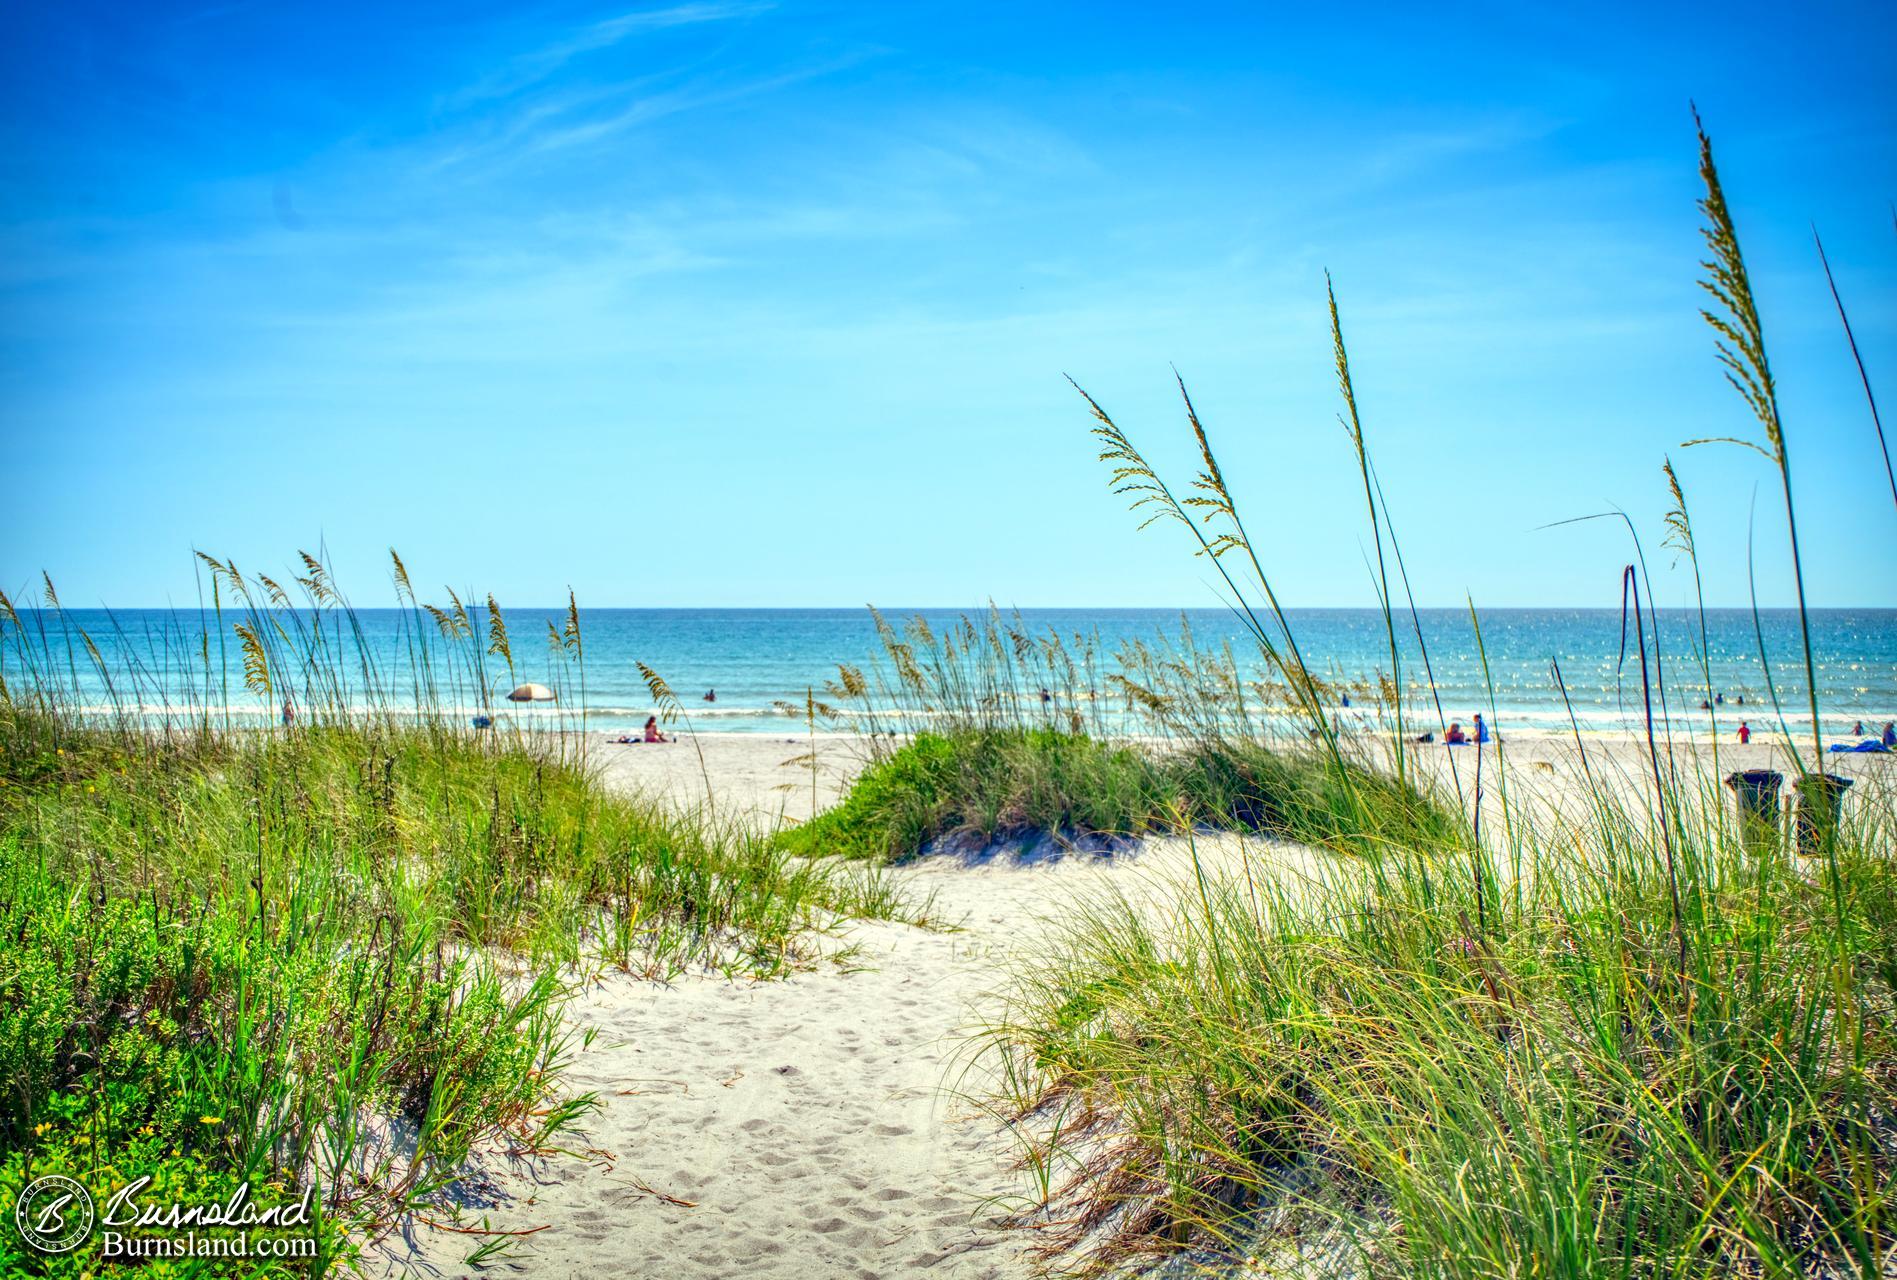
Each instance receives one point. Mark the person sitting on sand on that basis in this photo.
(1890, 733)
(1857, 730)
(652, 730)
(1455, 737)
(1481, 730)
(1426, 737)
(1745, 733)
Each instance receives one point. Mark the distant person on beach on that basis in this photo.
(1346, 700)
(1857, 730)
(1741, 699)
(1745, 733)
(1705, 705)
(652, 730)
(711, 695)
(1481, 730)
(1046, 697)
(1890, 733)
(1455, 737)
(1720, 699)
(289, 713)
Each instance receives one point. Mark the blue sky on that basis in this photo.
(748, 303)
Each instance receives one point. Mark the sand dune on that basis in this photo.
(809, 1127)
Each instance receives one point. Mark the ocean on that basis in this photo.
(757, 659)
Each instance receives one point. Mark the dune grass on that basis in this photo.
(985, 730)
(331, 955)
(1615, 1041)
(1346, 1067)
(988, 785)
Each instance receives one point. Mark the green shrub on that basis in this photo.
(1006, 783)
(242, 949)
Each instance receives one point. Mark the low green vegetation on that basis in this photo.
(332, 957)
(1352, 1063)
(990, 785)
(1001, 784)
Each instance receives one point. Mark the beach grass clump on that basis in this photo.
(1348, 1059)
(260, 950)
(1311, 798)
(986, 786)
(983, 786)
(329, 957)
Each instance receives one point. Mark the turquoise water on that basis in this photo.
(755, 658)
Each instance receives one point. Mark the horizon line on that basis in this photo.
(560, 607)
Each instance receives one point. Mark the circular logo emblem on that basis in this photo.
(54, 1214)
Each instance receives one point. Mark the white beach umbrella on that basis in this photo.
(531, 693)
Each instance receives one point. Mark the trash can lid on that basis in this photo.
(1755, 779)
(1828, 782)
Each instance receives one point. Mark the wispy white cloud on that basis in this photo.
(537, 65)
(652, 107)
(494, 142)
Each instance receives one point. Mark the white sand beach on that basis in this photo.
(810, 1127)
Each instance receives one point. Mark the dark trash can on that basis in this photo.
(1757, 791)
(1815, 820)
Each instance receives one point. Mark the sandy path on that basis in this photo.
(806, 1121)
(802, 1120)
(812, 1122)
